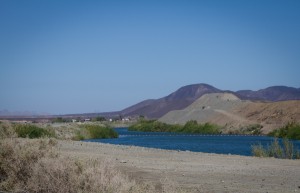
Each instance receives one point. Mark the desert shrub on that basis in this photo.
(65, 175)
(17, 159)
(259, 151)
(149, 125)
(288, 149)
(194, 127)
(100, 119)
(6, 130)
(32, 131)
(95, 132)
(275, 149)
(59, 120)
(35, 166)
(254, 129)
(290, 131)
(78, 136)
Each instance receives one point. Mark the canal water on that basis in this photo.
(221, 144)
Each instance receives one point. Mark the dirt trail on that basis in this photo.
(195, 172)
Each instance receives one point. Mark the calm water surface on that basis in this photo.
(222, 144)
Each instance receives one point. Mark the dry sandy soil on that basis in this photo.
(194, 172)
(271, 115)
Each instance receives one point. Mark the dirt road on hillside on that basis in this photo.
(195, 172)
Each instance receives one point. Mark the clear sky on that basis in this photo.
(73, 56)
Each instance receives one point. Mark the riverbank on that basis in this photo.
(195, 172)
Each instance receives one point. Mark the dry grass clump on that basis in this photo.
(6, 130)
(275, 149)
(64, 131)
(35, 166)
(64, 175)
(17, 160)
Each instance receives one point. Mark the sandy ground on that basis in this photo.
(195, 172)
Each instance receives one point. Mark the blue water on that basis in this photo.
(221, 144)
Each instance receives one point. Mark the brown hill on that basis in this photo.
(227, 110)
(271, 114)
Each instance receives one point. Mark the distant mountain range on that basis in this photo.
(184, 96)
(6, 112)
(274, 93)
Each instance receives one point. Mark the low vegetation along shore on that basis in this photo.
(193, 127)
(63, 131)
(189, 127)
(290, 131)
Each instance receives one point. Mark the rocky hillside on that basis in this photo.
(215, 108)
(230, 112)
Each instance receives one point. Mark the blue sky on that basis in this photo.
(93, 56)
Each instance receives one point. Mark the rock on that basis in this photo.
(123, 161)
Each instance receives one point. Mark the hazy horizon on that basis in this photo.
(64, 57)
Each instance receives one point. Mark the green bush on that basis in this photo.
(275, 149)
(190, 127)
(290, 131)
(78, 136)
(207, 128)
(95, 132)
(100, 119)
(32, 131)
(59, 120)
